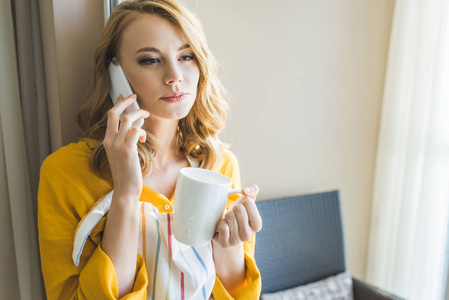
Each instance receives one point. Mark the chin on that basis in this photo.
(173, 115)
(176, 111)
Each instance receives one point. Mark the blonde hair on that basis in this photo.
(197, 135)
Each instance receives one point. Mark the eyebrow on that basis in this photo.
(153, 49)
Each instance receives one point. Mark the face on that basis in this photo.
(160, 66)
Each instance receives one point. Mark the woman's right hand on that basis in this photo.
(120, 143)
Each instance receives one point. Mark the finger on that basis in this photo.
(254, 218)
(115, 112)
(142, 136)
(136, 134)
(113, 119)
(222, 234)
(251, 191)
(231, 219)
(244, 229)
(123, 102)
(128, 122)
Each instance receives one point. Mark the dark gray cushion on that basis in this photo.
(301, 240)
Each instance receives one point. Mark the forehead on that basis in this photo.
(154, 31)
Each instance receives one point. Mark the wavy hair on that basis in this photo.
(197, 134)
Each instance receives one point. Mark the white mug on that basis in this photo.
(199, 203)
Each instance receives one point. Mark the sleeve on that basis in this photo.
(252, 288)
(62, 202)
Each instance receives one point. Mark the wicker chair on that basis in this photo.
(302, 241)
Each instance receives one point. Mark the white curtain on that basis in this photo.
(446, 293)
(411, 191)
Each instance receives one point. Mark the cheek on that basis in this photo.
(140, 82)
(194, 76)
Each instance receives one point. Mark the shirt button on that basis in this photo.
(167, 207)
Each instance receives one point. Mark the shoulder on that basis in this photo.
(229, 160)
(82, 148)
(230, 166)
(69, 170)
(73, 156)
(68, 174)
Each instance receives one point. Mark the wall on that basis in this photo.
(78, 26)
(306, 79)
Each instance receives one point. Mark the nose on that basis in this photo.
(173, 74)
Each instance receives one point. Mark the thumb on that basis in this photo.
(251, 191)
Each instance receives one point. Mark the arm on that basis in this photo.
(238, 225)
(120, 238)
(251, 285)
(66, 193)
(68, 189)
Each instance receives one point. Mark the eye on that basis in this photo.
(149, 61)
(188, 57)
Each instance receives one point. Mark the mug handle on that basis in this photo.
(234, 191)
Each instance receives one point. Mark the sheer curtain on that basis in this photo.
(411, 190)
(24, 143)
(446, 275)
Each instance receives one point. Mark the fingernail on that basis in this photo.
(247, 190)
(133, 96)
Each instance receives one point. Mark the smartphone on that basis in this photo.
(119, 85)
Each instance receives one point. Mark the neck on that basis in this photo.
(164, 131)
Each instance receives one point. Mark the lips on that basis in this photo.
(174, 97)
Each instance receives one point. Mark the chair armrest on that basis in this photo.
(365, 291)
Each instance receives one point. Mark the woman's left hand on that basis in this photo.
(240, 221)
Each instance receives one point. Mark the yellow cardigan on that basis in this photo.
(68, 188)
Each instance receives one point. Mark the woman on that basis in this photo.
(162, 51)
